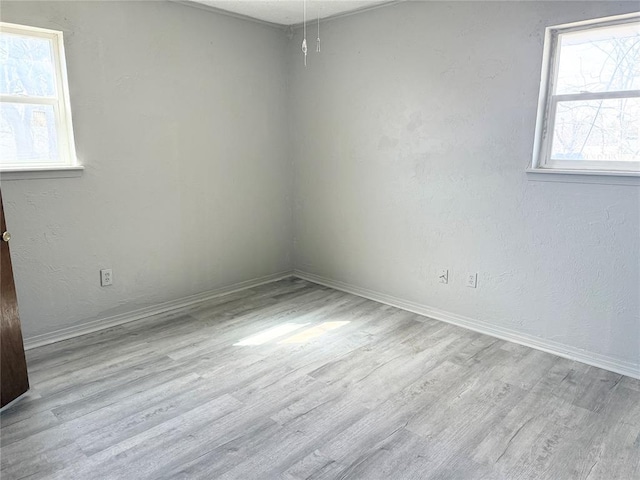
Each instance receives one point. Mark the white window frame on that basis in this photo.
(68, 164)
(547, 103)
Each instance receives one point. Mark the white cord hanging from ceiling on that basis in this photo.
(304, 39)
(318, 39)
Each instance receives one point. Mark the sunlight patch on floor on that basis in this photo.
(313, 332)
(279, 331)
(270, 334)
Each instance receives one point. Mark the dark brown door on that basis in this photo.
(13, 366)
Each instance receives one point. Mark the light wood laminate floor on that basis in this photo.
(350, 388)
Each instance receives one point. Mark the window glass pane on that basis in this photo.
(27, 134)
(26, 66)
(597, 130)
(599, 60)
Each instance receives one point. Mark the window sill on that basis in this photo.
(583, 176)
(40, 172)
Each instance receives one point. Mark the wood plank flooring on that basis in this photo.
(353, 390)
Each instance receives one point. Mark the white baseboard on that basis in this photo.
(115, 320)
(597, 360)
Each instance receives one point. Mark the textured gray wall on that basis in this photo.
(411, 134)
(180, 120)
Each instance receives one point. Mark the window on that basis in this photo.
(589, 105)
(35, 117)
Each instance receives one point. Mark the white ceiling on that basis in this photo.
(289, 12)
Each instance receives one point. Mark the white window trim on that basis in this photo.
(69, 166)
(541, 162)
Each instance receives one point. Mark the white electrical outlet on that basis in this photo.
(443, 276)
(472, 280)
(106, 277)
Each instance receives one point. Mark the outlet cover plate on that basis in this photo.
(472, 280)
(443, 276)
(106, 277)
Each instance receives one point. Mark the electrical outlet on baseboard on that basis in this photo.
(106, 277)
(472, 280)
(443, 276)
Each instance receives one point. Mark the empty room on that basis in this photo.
(320, 239)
